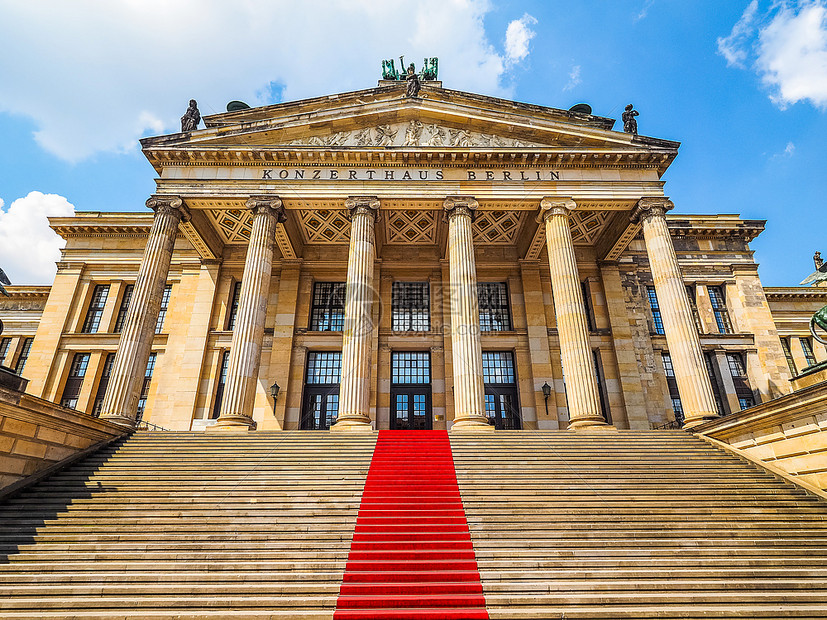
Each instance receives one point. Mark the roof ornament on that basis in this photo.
(629, 121)
(820, 319)
(430, 70)
(191, 118)
(4, 279)
(819, 276)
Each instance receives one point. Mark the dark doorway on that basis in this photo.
(411, 390)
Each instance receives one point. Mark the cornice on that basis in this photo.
(791, 292)
(27, 292)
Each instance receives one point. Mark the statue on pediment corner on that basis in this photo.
(629, 121)
(389, 71)
(430, 68)
(191, 118)
(4, 280)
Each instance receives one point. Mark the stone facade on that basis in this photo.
(351, 320)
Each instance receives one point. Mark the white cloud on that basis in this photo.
(574, 78)
(95, 75)
(735, 46)
(29, 249)
(789, 150)
(517, 37)
(645, 10)
(786, 46)
(792, 55)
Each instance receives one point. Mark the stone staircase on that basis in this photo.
(188, 525)
(608, 524)
(637, 524)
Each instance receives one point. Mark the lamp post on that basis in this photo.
(274, 392)
(546, 393)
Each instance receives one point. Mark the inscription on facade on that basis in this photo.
(404, 174)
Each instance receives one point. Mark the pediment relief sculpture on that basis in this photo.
(413, 133)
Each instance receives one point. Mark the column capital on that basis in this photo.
(460, 205)
(362, 205)
(651, 206)
(265, 204)
(166, 204)
(555, 206)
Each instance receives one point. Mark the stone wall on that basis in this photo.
(788, 433)
(35, 434)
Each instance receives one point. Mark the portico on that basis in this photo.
(318, 231)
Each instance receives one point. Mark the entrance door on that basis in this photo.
(501, 407)
(411, 390)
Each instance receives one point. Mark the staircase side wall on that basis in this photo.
(788, 433)
(35, 434)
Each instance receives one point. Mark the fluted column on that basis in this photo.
(578, 362)
(354, 389)
(469, 394)
(681, 334)
(120, 405)
(248, 331)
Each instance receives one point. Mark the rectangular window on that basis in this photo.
(738, 370)
(587, 304)
(494, 313)
(222, 381)
(411, 307)
(328, 310)
(321, 390)
(234, 306)
(24, 355)
(125, 299)
(601, 386)
(807, 347)
(693, 306)
(785, 344)
(653, 304)
(713, 380)
(411, 367)
(77, 372)
(501, 403)
(5, 345)
(672, 384)
(716, 298)
(162, 313)
(95, 312)
(103, 384)
(150, 367)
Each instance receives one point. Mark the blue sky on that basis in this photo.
(742, 84)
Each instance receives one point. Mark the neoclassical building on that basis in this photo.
(374, 260)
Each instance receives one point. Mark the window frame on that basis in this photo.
(324, 312)
(417, 318)
(162, 311)
(144, 396)
(74, 381)
(23, 357)
(94, 313)
(654, 307)
(502, 420)
(807, 350)
(717, 300)
(490, 314)
(232, 310)
(223, 367)
(123, 307)
(5, 347)
(103, 384)
(325, 391)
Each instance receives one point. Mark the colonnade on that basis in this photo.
(121, 399)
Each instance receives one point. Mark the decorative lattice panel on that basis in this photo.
(410, 226)
(586, 226)
(325, 226)
(496, 227)
(234, 224)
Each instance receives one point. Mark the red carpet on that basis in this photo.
(411, 555)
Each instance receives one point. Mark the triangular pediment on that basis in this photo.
(384, 117)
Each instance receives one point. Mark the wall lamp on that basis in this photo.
(546, 393)
(274, 392)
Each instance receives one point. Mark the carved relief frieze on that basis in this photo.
(413, 133)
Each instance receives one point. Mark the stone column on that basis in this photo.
(681, 335)
(469, 394)
(248, 333)
(572, 330)
(120, 404)
(354, 389)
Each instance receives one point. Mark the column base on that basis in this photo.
(473, 424)
(596, 422)
(353, 424)
(233, 424)
(697, 421)
(120, 420)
